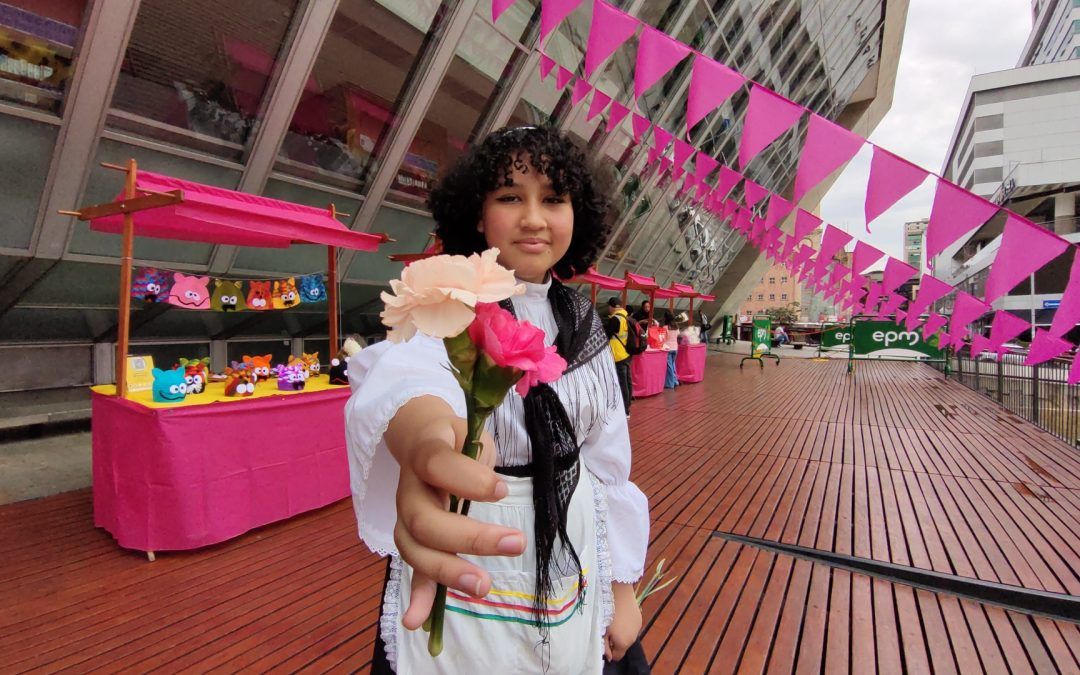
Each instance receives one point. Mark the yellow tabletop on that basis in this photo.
(215, 392)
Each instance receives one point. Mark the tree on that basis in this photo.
(788, 314)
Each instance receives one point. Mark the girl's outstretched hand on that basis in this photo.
(625, 624)
(425, 437)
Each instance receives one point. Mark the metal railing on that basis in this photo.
(1040, 394)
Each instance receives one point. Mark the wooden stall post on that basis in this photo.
(332, 290)
(123, 326)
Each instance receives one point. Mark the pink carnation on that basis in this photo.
(513, 344)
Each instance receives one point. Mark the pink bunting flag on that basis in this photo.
(779, 208)
(768, 115)
(931, 289)
(653, 155)
(498, 7)
(683, 151)
(966, 308)
(864, 256)
(640, 126)
(891, 305)
(599, 102)
(562, 78)
(933, 324)
(805, 223)
(711, 83)
(552, 13)
(899, 317)
(1004, 327)
(728, 179)
(979, 344)
(753, 193)
(610, 28)
(955, 213)
(1074, 371)
(1045, 347)
(891, 178)
(1025, 248)
(657, 54)
(896, 274)
(703, 191)
(546, 64)
(832, 241)
(661, 138)
(616, 115)
(788, 249)
(742, 221)
(1068, 312)
(580, 91)
(677, 171)
(827, 147)
(730, 207)
(704, 165)
(665, 164)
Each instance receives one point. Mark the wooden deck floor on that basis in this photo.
(894, 465)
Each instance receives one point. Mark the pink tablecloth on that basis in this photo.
(647, 370)
(181, 478)
(690, 363)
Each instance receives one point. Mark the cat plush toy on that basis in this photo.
(239, 382)
(312, 361)
(259, 366)
(285, 294)
(312, 288)
(339, 368)
(258, 297)
(195, 374)
(189, 292)
(150, 285)
(290, 377)
(227, 296)
(302, 364)
(169, 385)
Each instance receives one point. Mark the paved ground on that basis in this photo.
(43, 466)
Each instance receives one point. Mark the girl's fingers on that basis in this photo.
(421, 599)
(443, 568)
(453, 533)
(440, 466)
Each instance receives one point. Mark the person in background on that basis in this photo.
(781, 336)
(643, 312)
(671, 346)
(617, 330)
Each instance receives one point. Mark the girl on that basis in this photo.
(671, 346)
(541, 573)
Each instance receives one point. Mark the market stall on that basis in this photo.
(647, 369)
(690, 362)
(251, 446)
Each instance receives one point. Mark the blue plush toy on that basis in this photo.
(312, 288)
(169, 385)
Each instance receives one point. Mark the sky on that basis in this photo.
(945, 43)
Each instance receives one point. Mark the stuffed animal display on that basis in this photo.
(169, 385)
(150, 285)
(189, 292)
(259, 366)
(195, 375)
(285, 294)
(339, 368)
(290, 377)
(258, 297)
(227, 296)
(312, 288)
(312, 362)
(239, 382)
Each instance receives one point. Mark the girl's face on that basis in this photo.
(529, 223)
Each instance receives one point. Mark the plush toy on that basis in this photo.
(150, 285)
(259, 366)
(239, 382)
(195, 374)
(312, 288)
(258, 297)
(339, 369)
(227, 296)
(302, 364)
(189, 292)
(312, 361)
(290, 377)
(285, 294)
(169, 385)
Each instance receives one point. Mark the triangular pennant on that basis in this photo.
(955, 213)
(832, 241)
(966, 308)
(891, 178)
(779, 208)
(864, 256)
(1025, 248)
(683, 151)
(599, 102)
(703, 191)
(616, 115)
(657, 54)
(498, 7)
(900, 316)
(753, 193)
(661, 137)
(546, 64)
(931, 290)
(562, 78)
(704, 165)
(640, 126)
(552, 13)
(805, 223)
(580, 91)
(896, 274)
(677, 171)
(979, 344)
(728, 179)
(1045, 347)
(711, 84)
(1004, 327)
(933, 324)
(827, 146)
(891, 305)
(1068, 312)
(730, 207)
(768, 115)
(610, 28)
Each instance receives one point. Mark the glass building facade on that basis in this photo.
(356, 103)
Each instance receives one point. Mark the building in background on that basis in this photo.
(1017, 142)
(360, 104)
(1055, 33)
(915, 243)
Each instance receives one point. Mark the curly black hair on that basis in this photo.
(457, 200)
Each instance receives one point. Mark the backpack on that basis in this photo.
(636, 337)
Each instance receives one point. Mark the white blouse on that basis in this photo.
(385, 376)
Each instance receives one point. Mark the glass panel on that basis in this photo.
(196, 71)
(479, 68)
(358, 79)
(299, 259)
(279, 349)
(412, 234)
(105, 184)
(76, 283)
(168, 355)
(37, 46)
(38, 325)
(25, 152)
(517, 18)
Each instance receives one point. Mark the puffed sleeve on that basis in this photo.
(383, 378)
(606, 452)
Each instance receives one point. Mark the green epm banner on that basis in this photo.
(884, 339)
(761, 341)
(836, 336)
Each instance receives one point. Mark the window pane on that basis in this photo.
(196, 71)
(355, 88)
(25, 153)
(412, 234)
(37, 44)
(471, 83)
